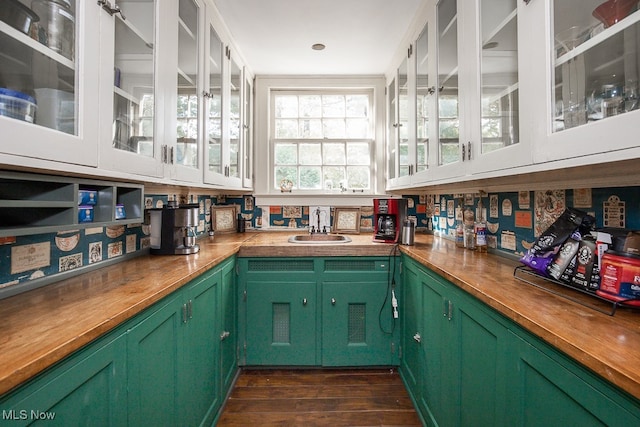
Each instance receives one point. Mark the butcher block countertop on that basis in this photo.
(42, 326)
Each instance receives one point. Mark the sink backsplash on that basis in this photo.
(513, 219)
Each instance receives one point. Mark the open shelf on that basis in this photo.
(34, 204)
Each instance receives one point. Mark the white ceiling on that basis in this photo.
(275, 36)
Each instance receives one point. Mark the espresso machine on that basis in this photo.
(173, 229)
(388, 217)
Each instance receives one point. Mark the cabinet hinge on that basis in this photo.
(410, 51)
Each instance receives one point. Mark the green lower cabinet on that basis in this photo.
(466, 365)
(548, 389)
(88, 389)
(170, 365)
(333, 311)
(152, 366)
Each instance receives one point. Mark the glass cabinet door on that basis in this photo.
(247, 132)
(235, 97)
(447, 83)
(596, 51)
(188, 109)
(45, 81)
(133, 86)
(214, 103)
(403, 120)
(423, 94)
(392, 145)
(499, 74)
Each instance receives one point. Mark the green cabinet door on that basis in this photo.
(482, 351)
(281, 322)
(199, 343)
(152, 365)
(438, 400)
(412, 362)
(88, 389)
(228, 328)
(547, 389)
(352, 330)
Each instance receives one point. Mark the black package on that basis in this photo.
(585, 260)
(547, 245)
(560, 262)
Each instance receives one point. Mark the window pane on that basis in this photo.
(311, 128)
(358, 154)
(310, 178)
(286, 154)
(333, 106)
(335, 176)
(358, 177)
(286, 128)
(334, 154)
(286, 106)
(357, 128)
(310, 154)
(289, 173)
(310, 106)
(357, 106)
(334, 128)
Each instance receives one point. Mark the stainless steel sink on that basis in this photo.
(319, 238)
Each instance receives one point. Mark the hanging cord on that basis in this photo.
(391, 284)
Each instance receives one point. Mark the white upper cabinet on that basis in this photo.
(495, 137)
(585, 66)
(131, 108)
(228, 108)
(464, 89)
(188, 127)
(151, 122)
(48, 81)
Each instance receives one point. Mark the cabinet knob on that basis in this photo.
(224, 335)
(333, 301)
(417, 338)
(304, 301)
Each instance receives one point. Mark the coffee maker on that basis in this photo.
(388, 217)
(173, 229)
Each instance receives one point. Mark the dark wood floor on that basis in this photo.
(319, 397)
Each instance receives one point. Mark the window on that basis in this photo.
(322, 140)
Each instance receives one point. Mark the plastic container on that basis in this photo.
(56, 109)
(17, 105)
(56, 28)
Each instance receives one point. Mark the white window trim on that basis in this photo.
(263, 155)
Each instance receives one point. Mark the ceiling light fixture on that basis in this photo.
(318, 46)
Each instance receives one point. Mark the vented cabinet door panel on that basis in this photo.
(352, 334)
(281, 323)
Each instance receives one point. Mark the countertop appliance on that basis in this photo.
(388, 217)
(173, 229)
